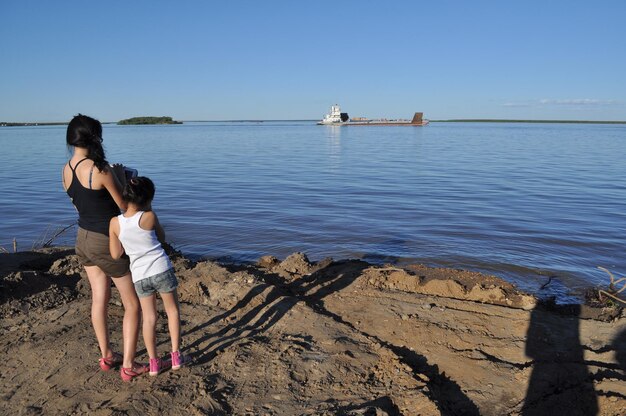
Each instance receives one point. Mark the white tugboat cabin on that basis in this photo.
(335, 116)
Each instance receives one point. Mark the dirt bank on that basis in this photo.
(334, 337)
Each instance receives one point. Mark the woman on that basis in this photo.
(95, 190)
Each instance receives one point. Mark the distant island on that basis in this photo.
(148, 120)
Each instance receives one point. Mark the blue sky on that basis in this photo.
(203, 60)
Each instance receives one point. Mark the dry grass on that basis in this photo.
(49, 235)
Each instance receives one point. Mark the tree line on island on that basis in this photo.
(148, 120)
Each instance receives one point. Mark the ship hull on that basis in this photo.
(375, 123)
(385, 123)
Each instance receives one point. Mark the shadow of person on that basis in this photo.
(373, 407)
(560, 382)
(619, 346)
(276, 297)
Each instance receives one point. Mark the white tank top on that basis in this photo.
(147, 256)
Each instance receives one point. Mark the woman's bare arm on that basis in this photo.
(112, 184)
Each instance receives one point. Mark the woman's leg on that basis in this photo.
(149, 315)
(170, 302)
(100, 295)
(130, 327)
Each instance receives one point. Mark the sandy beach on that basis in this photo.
(292, 337)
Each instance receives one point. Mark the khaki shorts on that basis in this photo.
(93, 250)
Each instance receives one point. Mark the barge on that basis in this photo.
(336, 118)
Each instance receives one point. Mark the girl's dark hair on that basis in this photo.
(139, 191)
(86, 132)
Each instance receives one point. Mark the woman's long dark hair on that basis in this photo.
(86, 132)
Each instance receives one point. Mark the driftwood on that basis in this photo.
(613, 292)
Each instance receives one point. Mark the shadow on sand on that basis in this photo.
(279, 296)
(560, 382)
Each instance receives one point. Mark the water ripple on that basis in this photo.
(521, 201)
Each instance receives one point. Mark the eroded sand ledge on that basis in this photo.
(335, 337)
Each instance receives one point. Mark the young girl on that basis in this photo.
(139, 234)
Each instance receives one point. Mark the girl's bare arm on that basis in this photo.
(160, 233)
(115, 246)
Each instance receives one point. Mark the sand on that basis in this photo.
(293, 337)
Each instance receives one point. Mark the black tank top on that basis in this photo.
(95, 207)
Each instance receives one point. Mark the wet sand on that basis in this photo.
(293, 337)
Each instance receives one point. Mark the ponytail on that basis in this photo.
(86, 132)
(139, 190)
(95, 152)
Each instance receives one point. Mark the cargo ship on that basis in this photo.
(336, 118)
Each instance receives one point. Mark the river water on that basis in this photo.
(520, 201)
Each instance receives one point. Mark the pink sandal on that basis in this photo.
(136, 370)
(109, 362)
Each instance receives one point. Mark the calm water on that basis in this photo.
(521, 201)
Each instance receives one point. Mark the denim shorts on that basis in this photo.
(162, 282)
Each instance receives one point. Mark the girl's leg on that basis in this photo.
(130, 327)
(149, 314)
(170, 302)
(100, 295)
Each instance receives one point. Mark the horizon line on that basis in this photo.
(460, 120)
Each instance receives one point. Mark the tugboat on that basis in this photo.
(337, 118)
